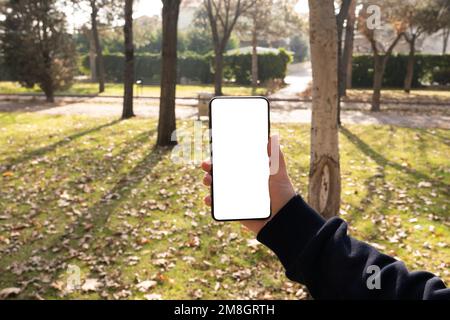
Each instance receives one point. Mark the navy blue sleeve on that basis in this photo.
(320, 255)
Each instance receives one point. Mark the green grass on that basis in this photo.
(95, 193)
(115, 89)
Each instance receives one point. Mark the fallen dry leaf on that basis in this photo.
(91, 285)
(8, 174)
(153, 296)
(143, 286)
(8, 292)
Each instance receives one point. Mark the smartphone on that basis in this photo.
(239, 135)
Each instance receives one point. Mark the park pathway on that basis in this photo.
(298, 77)
(99, 107)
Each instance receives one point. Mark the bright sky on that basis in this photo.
(153, 7)
(146, 8)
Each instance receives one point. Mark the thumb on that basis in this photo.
(276, 158)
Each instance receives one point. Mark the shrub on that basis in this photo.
(424, 69)
(441, 76)
(5, 74)
(196, 67)
(270, 66)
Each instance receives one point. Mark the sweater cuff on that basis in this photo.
(288, 233)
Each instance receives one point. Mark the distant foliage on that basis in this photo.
(198, 68)
(442, 76)
(427, 69)
(36, 47)
(270, 66)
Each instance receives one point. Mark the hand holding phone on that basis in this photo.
(280, 187)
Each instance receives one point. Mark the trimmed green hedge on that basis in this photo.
(199, 68)
(270, 66)
(148, 67)
(427, 69)
(4, 72)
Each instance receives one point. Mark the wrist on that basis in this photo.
(280, 195)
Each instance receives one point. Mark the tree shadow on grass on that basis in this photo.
(377, 189)
(68, 245)
(36, 103)
(101, 210)
(382, 161)
(98, 214)
(435, 135)
(49, 148)
(121, 191)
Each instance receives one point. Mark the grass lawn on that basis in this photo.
(116, 89)
(96, 194)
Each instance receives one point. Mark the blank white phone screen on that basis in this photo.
(239, 135)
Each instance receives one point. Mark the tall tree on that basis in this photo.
(341, 17)
(416, 16)
(324, 173)
(167, 121)
(129, 61)
(348, 49)
(268, 19)
(381, 24)
(255, 16)
(98, 46)
(92, 53)
(108, 10)
(36, 45)
(442, 9)
(222, 17)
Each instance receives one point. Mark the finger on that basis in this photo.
(207, 180)
(276, 157)
(269, 146)
(206, 165)
(207, 200)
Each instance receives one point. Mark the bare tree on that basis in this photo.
(341, 17)
(270, 19)
(348, 49)
(167, 121)
(383, 33)
(107, 9)
(92, 53)
(98, 47)
(324, 174)
(127, 111)
(222, 17)
(255, 28)
(443, 21)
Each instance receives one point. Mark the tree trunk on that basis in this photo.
(410, 65)
(47, 84)
(339, 71)
(49, 93)
(254, 56)
(324, 174)
(348, 50)
(167, 124)
(445, 36)
(92, 60)
(218, 73)
(129, 62)
(98, 48)
(340, 19)
(379, 63)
